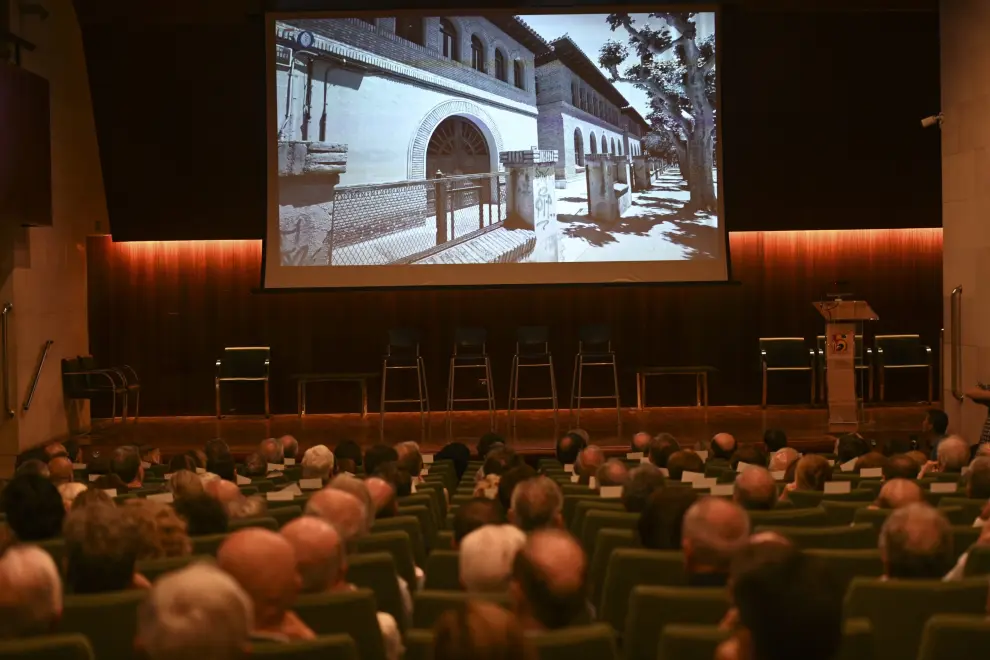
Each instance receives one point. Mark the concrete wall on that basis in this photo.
(965, 55)
(559, 134)
(44, 269)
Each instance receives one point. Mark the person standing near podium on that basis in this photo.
(981, 394)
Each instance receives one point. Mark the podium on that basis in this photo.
(843, 321)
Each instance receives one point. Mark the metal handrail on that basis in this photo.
(955, 312)
(4, 357)
(37, 375)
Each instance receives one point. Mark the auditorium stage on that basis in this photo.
(534, 432)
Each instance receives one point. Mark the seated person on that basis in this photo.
(30, 593)
(191, 610)
(347, 455)
(126, 464)
(317, 463)
(901, 466)
(643, 481)
(783, 459)
(568, 448)
(755, 490)
(916, 543)
(811, 473)
(378, 455)
(34, 508)
(978, 479)
(480, 630)
(898, 493)
(158, 530)
(850, 446)
(536, 503)
(751, 454)
(382, 497)
(549, 581)
(721, 447)
(874, 459)
(684, 461)
(203, 514)
(486, 557)
(60, 471)
(714, 530)
(474, 514)
(774, 440)
(264, 565)
(641, 443)
(612, 473)
(662, 448)
(100, 551)
(953, 455)
(660, 523)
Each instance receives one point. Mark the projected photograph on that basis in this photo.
(496, 139)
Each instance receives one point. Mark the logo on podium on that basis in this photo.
(840, 343)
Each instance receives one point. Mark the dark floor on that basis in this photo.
(535, 430)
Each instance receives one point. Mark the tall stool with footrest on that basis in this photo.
(532, 351)
(402, 354)
(470, 353)
(594, 350)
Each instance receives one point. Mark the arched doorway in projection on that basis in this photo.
(456, 147)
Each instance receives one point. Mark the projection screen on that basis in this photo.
(493, 149)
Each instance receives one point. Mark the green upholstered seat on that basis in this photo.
(351, 613)
(328, 647)
(689, 642)
(845, 565)
(955, 637)
(376, 571)
(599, 519)
(396, 544)
(409, 525)
(608, 540)
(443, 570)
(843, 537)
(809, 517)
(266, 522)
(592, 641)
(109, 621)
(652, 608)
(429, 606)
(630, 568)
(49, 647)
(155, 568)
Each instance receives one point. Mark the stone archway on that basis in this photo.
(457, 147)
(482, 121)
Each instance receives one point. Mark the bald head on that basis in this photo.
(714, 530)
(641, 442)
(382, 497)
(898, 493)
(60, 470)
(755, 490)
(30, 592)
(549, 579)
(782, 459)
(723, 445)
(264, 564)
(589, 460)
(953, 454)
(225, 492)
(320, 555)
(342, 510)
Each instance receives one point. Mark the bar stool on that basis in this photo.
(532, 350)
(470, 353)
(594, 350)
(402, 353)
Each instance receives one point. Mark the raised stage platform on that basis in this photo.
(534, 432)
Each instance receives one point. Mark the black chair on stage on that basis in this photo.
(532, 351)
(786, 354)
(402, 354)
(243, 364)
(901, 352)
(90, 382)
(594, 350)
(470, 353)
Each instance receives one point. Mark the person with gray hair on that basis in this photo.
(317, 463)
(410, 459)
(536, 503)
(30, 593)
(358, 489)
(612, 473)
(642, 481)
(196, 611)
(486, 558)
(978, 479)
(953, 454)
(755, 489)
(714, 530)
(916, 543)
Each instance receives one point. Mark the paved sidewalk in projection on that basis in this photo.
(654, 228)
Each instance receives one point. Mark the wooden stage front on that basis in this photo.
(535, 431)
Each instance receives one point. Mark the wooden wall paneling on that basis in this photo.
(170, 308)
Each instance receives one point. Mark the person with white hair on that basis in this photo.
(714, 530)
(69, 492)
(916, 543)
(486, 558)
(197, 611)
(30, 593)
(317, 463)
(953, 454)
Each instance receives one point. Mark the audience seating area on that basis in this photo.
(642, 600)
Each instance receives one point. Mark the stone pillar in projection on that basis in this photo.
(602, 202)
(641, 173)
(531, 199)
(308, 173)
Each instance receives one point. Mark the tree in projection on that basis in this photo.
(676, 69)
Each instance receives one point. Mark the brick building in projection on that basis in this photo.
(580, 112)
(415, 95)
